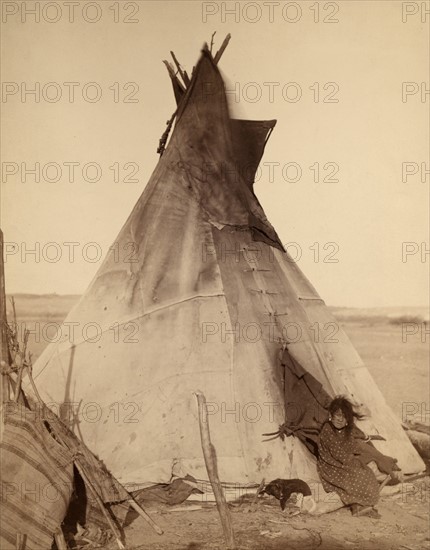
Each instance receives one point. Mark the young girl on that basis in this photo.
(339, 465)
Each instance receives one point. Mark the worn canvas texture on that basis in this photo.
(197, 293)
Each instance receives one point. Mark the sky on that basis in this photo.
(344, 179)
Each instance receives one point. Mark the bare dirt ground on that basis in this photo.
(397, 358)
(404, 525)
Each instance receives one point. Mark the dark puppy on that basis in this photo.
(282, 489)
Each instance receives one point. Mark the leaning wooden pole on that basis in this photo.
(138, 508)
(93, 490)
(212, 469)
(99, 501)
(221, 50)
(4, 346)
(4, 351)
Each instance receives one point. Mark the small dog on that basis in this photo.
(282, 489)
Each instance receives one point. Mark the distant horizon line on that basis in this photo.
(77, 295)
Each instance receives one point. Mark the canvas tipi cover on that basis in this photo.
(196, 294)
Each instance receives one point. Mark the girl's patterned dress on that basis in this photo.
(341, 471)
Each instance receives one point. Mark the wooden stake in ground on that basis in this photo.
(260, 488)
(212, 469)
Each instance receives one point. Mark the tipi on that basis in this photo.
(197, 293)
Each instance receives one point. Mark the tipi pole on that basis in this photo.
(136, 506)
(99, 501)
(60, 541)
(221, 50)
(211, 466)
(183, 74)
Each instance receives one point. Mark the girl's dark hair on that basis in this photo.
(341, 403)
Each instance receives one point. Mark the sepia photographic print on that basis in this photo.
(214, 275)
